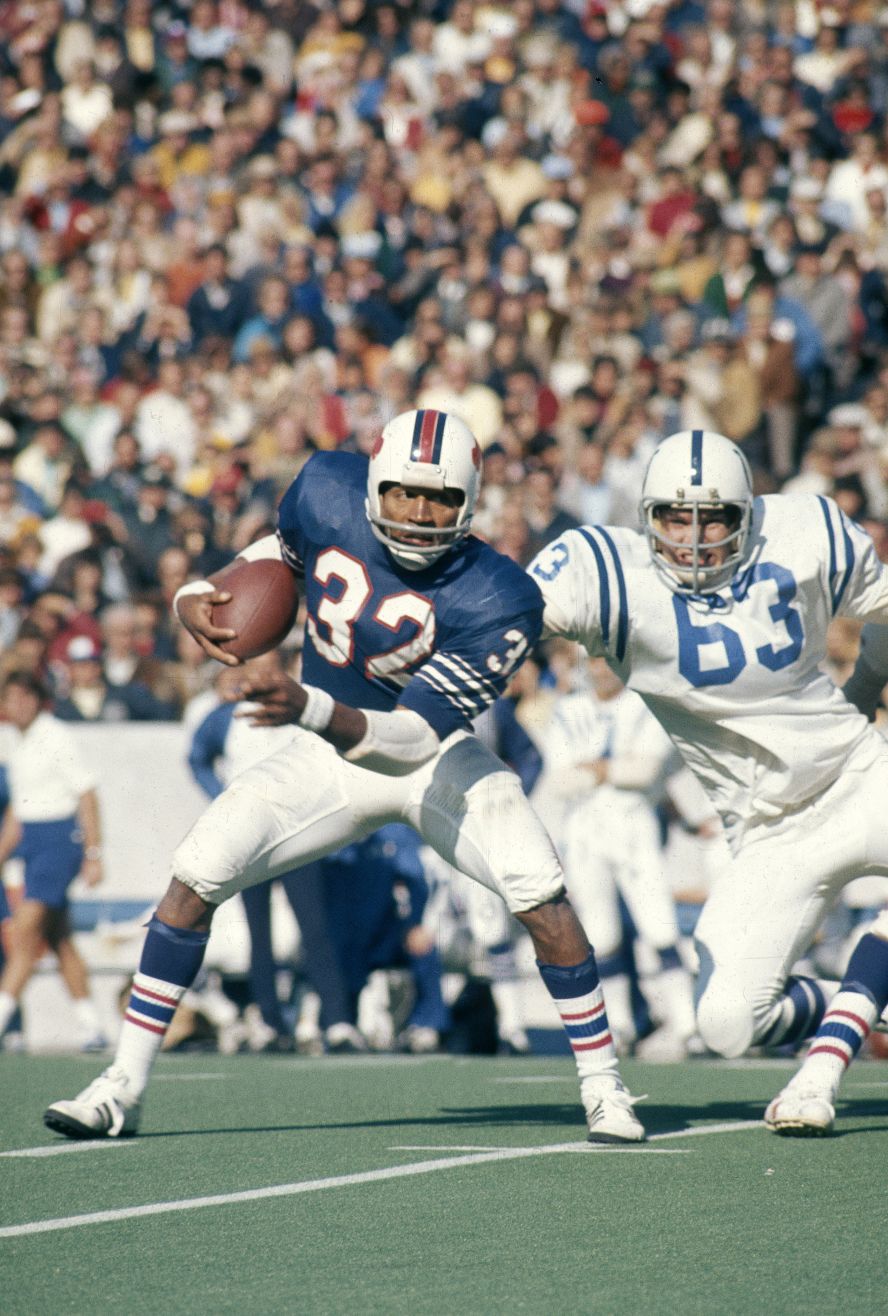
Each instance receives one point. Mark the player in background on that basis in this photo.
(413, 628)
(608, 758)
(222, 746)
(717, 613)
(52, 822)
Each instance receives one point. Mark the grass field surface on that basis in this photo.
(439, 1185)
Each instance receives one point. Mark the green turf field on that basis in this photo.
(438, 1185)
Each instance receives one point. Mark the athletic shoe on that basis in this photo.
(609, 1112)
(344, 1039)
(800, 1113)
(106, 1109)
(419, 1040)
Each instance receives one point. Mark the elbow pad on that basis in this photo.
(394, 743)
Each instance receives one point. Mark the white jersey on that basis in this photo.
(732, 676)
(47, 773)
(622, 731)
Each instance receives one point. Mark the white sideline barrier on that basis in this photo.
(148, 802)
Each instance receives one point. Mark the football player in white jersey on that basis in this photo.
(716, 612)
(608, 759)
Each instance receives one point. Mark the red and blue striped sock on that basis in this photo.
(852, 1013)
(576, 991)
(171, 959)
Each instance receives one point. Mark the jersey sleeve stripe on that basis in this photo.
(621, 608)
(849, 564)
(831, 534)
(475, 680)
(440, 683)
(837, 587)
(603, 583)
(623, 618)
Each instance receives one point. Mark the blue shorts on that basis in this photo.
(53, 856)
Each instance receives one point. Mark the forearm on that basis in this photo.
(392, 744)
(88, 817)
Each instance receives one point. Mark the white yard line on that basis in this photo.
(59, 1149)
(343, 1181)
(536, 1078)
(701, 1130)
(188, 1078)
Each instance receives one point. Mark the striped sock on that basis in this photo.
(171, 958)
(797, 1014)
(852, 1013)
(577, 993)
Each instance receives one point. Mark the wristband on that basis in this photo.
(318, 711)
(93, 852)
(193, 587)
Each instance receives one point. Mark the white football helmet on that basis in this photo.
(424, 450)
(697, 469)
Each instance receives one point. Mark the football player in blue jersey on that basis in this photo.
(717, 614)
(413, 628)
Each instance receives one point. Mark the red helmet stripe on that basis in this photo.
(427, 435)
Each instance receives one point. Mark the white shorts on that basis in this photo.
(766, 906)
(305, 801)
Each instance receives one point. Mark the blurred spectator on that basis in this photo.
(90, 697)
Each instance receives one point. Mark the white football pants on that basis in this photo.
(304, 801)
(766, 905)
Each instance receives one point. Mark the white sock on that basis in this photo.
(152, 1005)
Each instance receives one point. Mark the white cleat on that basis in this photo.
(106, 1109)
(609, 1112)
(797, 1113)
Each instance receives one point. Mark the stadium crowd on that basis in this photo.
(235, 232)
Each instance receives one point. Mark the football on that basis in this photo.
(264, 600)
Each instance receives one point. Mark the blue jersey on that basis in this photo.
(442, 641)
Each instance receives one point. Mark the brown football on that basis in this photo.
(264, 600)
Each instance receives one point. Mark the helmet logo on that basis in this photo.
(476, 457)
(428, 437)
(377, 444)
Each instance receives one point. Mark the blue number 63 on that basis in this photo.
(693, 638)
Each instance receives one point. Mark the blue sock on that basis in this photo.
(799, 1013)
(172, 954)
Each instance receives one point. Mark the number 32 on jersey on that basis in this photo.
(348, 591)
